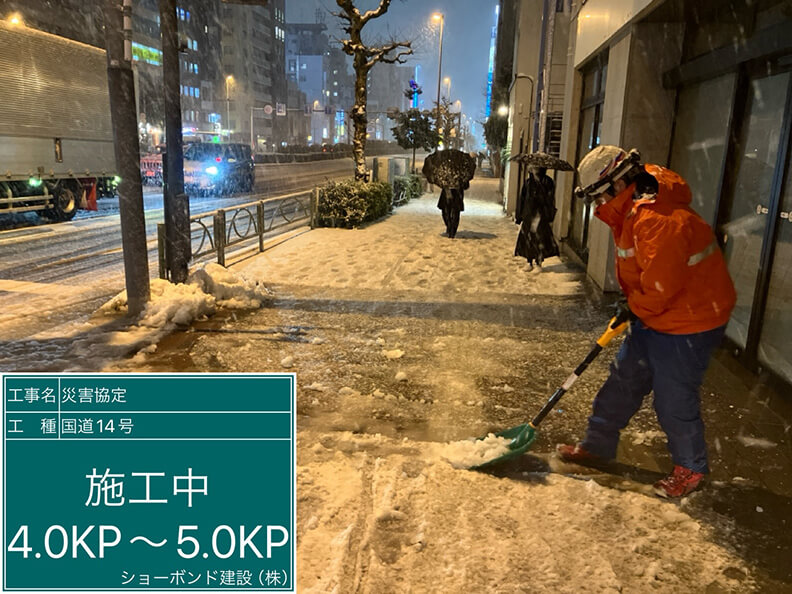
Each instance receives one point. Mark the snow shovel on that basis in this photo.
(522, 436)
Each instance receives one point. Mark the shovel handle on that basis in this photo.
(612, 332)
(601, 343)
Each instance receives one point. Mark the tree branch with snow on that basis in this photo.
(364, 57)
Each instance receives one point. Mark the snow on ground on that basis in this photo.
(383, 515)
(111, 335)
(411, 253)
(756, 442)
(405, 342)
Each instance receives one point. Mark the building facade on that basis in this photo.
(386, 86)
(254, 91)
(307, 65)
(321, 72)
(534, 80)
(704, 88)
(199, 68)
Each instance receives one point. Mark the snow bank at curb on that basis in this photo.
(172, 305)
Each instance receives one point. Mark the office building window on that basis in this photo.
(701, 133)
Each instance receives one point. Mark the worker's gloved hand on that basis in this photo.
(622, 314)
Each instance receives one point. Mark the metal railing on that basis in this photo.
(215, 231)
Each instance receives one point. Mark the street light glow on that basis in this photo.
(438, 16)
(503, 110)
(15, 19)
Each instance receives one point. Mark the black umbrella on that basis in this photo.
(542, 160)
(450, 168)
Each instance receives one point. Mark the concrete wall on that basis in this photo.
(601, 255)
(565, 180)
(600, 20)
(638, 112)
(649, 108)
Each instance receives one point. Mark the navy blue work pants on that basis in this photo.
(671, 365)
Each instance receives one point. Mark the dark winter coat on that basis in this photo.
(451, 197)
(536, 211)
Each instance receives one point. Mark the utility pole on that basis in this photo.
(177, 204)
(439, 16)
(121, 83)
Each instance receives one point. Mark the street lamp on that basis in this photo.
(229, 79)
(447, 82)
(439, 16)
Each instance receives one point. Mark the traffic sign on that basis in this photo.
(148, 482)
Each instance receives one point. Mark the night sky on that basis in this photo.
(466, 41)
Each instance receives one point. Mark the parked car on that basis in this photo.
(219, 169)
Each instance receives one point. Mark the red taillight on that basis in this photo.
(218, 159)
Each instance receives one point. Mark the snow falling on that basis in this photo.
(407, 345)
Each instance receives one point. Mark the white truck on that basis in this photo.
(56, 138)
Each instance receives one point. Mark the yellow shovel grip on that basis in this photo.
(611, 333)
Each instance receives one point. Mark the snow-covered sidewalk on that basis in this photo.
(404, 340)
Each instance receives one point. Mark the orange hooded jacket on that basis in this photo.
(667, 260)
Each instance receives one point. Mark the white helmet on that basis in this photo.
(601, 167)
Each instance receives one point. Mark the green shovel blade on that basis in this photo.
(522, 436)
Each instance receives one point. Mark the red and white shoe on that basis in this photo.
(578, 455)
(679, 483)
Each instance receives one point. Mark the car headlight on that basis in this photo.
(211, 170)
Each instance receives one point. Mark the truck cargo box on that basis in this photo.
(53, 88)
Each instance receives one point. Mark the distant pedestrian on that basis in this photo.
(480, 159)
(535, 213)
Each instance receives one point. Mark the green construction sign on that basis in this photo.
(149, 482)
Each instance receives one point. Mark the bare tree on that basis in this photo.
(363, 59)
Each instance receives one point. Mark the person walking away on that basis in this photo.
(535, 213)
(679, 297)
(451, 203)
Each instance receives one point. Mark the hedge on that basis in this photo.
(405, 188)
(350, 203)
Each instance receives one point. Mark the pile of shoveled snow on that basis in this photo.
(171, 305)
(474, 452)
(207, 288)
(230, 289)
(379, 515)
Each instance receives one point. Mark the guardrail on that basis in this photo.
(215, 231)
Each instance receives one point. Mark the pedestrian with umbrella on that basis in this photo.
(536, 208)
(452, 170)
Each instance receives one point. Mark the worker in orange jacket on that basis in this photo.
(679, 297)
